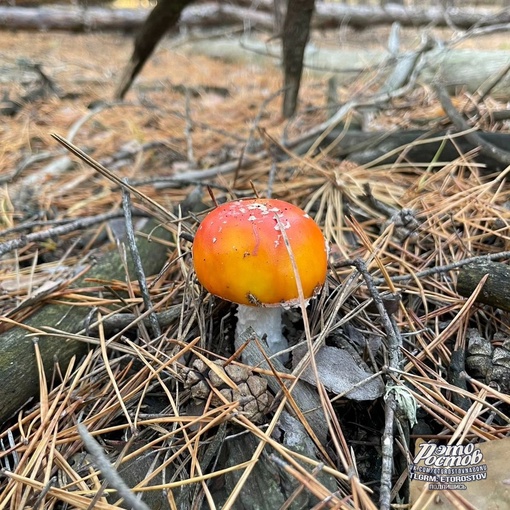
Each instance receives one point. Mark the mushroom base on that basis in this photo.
(264, 321)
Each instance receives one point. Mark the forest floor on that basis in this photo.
(190, 112)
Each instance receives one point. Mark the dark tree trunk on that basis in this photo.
(296, 30)
(279, 9)
(164, 16)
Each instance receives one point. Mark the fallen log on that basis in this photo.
(417, 146)
(456, 69)
(71, 19)
(327, 15)
(18, 369)
(333, 15)
(74, 19)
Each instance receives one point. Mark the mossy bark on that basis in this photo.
(495, 292)
(19, 377)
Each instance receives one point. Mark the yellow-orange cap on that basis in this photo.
(239, 252)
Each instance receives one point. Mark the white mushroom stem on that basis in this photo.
(265, 321)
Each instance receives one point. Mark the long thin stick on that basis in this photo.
(109, 473)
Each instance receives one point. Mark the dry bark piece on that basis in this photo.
(269, 485)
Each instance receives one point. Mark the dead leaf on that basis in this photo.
(339, 372)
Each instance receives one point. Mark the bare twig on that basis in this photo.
(109, 473)
(28, 161)
(487, 88)
(387, 452)
(51, 482)
(445, 268)
(29, 225)
(35, 237)
(112, 177)
(458, 121)
(137, 263)
(394, 359)
(189, 127)
(480, 31)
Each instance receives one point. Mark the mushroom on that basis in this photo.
(240, 254)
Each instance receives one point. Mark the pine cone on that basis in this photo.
(252, 394)
(487, 363)
(500, 373)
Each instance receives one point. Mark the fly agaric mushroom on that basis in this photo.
(241, 255)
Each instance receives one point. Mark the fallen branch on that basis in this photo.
(489, 149)
(482, 259)
(417, 146)
(108, 471)
(60, 230)
(495, 292)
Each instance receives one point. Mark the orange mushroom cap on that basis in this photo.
(240, 254)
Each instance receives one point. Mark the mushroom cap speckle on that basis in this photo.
(240, 253)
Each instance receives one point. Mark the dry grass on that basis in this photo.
(128, 391)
